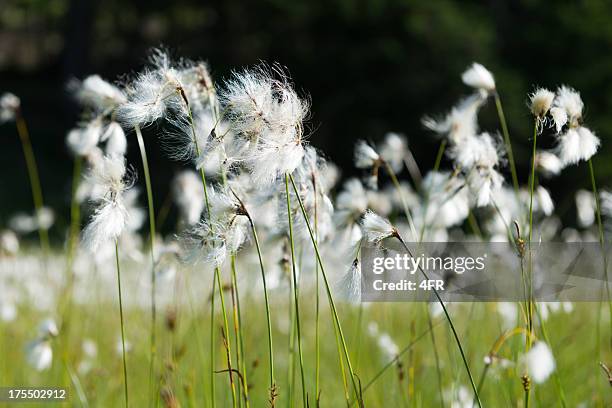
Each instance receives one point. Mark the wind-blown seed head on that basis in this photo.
(559, 117)
(477, 76)
(365, 155)
(188, 195)
(82, 140)
(96, 93)
(267, 115)
(577, 144)
(460, 123)
(116, 142)
(111, 217)
(585, 208)
(9, 105)
(349, 286)
(39, 354)
(548, 163)
(540, 102)
(394, 150)
(540, 362)
(376, 228)
(569, 100)
(351, 202)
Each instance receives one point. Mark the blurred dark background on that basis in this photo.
(370, 66)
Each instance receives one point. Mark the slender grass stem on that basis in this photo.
(37, 195)
(327, 289)
(436, 355)
(125, 376)
(504, 126)
(266, 299)
(602, 242)
(212, 342)
(295, 290)
(150, 205)
(450, 323)
(239, 332)
(317, 298)
(439, 155)
(398, 187)
(218, 279)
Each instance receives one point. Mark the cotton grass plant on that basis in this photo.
(262, 224)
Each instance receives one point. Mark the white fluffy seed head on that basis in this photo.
(188, 195)
(82, 140)
(393, 150)
(9, 105)
(540, 362)
(577, 144)
(376, 228)
(478, 77)
(569, 100)
(267, 116)
(540, 102)
(116, 142)
(548, 163)
(460, 123)
(349, 286)
(365, 155)
(585, 208)
(39, 354)
(99, 94)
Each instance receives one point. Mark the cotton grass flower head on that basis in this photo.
(9, 243)
(569, 101)
(82, 140)
(460, 123)
(478, 77)
(577, 144)
(349, 285)
(97, 93)
(365, 155)
(155, 92)
(9, 106)
(548, 163)
(539, 362)
(116, 142)
(377, 228)
(393, 150)
(188, 194)
(585, 208)
(267, 115)
(540, 102)
(39, 354)
(111, 217)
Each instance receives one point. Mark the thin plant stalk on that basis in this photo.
(529, 278)
(439, 155)
(295, 289)
(268, 316)
(37, 195)
(398, 187)
(601, 235)
(317, 298)
(504, 126)
(125, 377)
(217, 277)
(239, 333)
(450, 323)
(150, 205)
(330, 298)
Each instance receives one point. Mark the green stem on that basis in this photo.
(602, 242)
(327, 289)
(504, 126)
(398, 187)
(295, 290)
(268, 316)
(125, 376)
(147, 174)
(37, 195)
(450, 323)
(238, 332)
